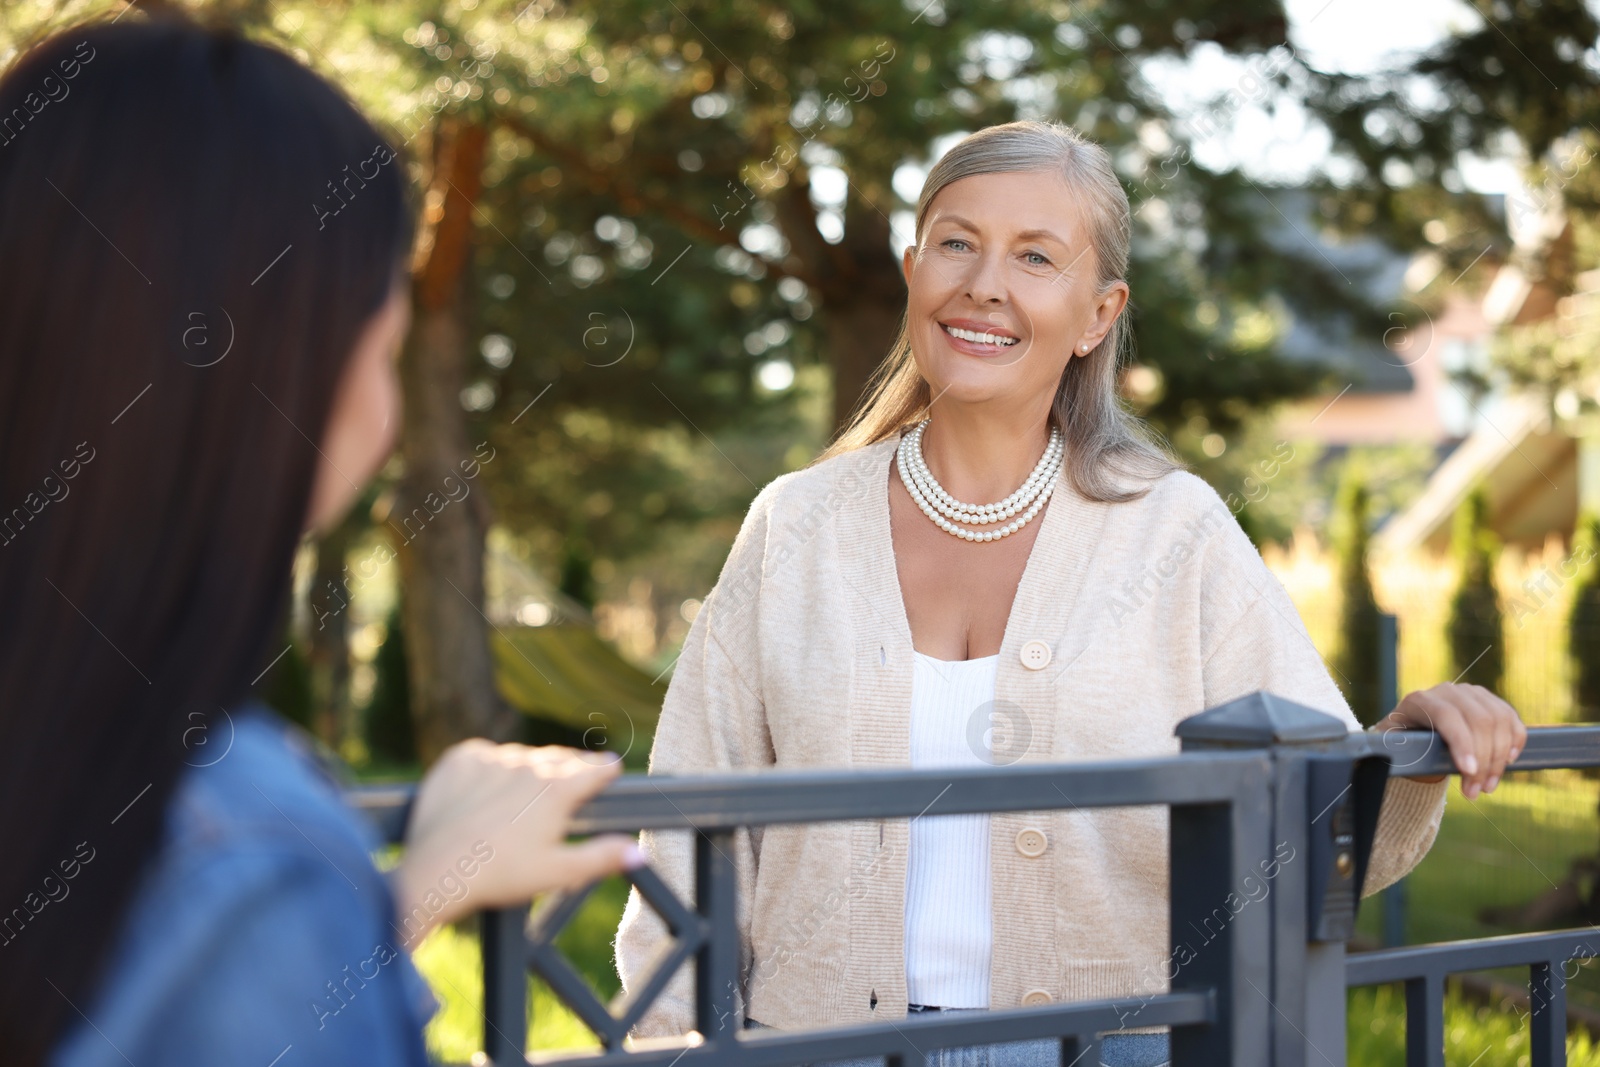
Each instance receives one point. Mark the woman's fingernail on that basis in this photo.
(1470, 790)
(632, 857)
(1514, 751)
(1494, 780)
(1469, 765)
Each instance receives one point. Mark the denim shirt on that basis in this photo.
(261, 933)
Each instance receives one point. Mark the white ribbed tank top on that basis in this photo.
(948, 933)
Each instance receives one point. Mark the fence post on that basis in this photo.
(1394, 897)
(505, 984)
(1299, 992)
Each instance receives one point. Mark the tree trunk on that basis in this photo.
(440, 540)
(861, 290)
(329, 623)
(859, 333)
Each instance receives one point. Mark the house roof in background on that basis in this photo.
(1527, 467)
(1370, 266)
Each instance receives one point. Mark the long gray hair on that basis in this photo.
(1103, 439)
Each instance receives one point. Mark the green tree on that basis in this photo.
(1583, 645)
(1475, 626)
(1584, 622)
(1251, 524)
(386, 718)
(328, 625)
(1356, 662)
(287, 687)
(577, 570)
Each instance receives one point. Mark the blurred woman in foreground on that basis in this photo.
(179, 883)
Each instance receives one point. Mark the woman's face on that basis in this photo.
(365, 418)
(1004, 255)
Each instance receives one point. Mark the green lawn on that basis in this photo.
(1500, 849)
(1504, 848)
(1473, 1036)
(450, 960)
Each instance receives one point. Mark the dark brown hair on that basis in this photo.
(178, 298)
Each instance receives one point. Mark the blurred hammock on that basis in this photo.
(551, 664)
(565, 673)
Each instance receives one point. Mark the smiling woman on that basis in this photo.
(943, 587)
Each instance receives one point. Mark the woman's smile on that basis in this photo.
(980, 339)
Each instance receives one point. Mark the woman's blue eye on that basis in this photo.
(954, 241)
(1043, 259)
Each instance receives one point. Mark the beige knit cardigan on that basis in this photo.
(1143, 613)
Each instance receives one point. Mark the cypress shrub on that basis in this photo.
(1477, 646)
(287, 687)
(1583, 624)
(386, 724)
(577, 569)
(1356, 662)
(1251, 525)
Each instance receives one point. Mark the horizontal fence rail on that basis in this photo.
(913, 1038)
(729, 801)
(757, 798)
(1422, 754)
(1256, 775)
(386, 807)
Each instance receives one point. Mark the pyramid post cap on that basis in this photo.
(1259, 720)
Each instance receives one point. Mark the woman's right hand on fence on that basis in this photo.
(488, 829)
(1483, 732)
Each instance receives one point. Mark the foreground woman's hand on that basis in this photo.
(488, 829)
(1483, 732)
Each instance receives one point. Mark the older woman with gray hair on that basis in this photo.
(993, 546)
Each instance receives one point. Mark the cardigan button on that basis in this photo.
(1034, 997)
(1031, 842)
(1035, 655)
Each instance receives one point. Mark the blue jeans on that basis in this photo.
(1116, 1050)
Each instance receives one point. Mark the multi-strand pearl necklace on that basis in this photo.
(945, 510)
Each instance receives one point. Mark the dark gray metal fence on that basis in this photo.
(1256, 776)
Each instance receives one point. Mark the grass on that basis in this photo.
(1474, 1035)
(450, 960)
